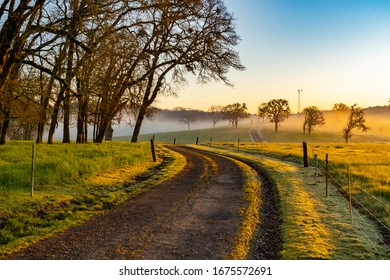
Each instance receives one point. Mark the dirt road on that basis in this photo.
(194, 215)
(255, 135)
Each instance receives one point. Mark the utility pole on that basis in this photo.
(299, 100)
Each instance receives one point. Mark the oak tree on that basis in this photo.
(356, 120)
(313, 117)
(277, 111)
(234, 112)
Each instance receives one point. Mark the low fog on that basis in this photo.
(377, 118)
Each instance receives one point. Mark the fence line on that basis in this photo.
(368, 194)
(372, 196)
(356, 212)
(44, 174)
(354, 221)
(355, 199)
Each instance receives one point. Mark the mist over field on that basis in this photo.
(377, 118)
(157, 124)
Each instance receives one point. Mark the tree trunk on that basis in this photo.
(42, 119)
(109, 133)
(102, 128)
(66, 110)
(138, 124)
(45, 100)
(276, 127)
(85, 129)
(54, 117)
(80, 121)
(4, 128)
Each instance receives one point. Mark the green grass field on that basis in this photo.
(72, 183)
(219, 134)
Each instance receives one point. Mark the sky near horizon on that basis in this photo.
(335, 50)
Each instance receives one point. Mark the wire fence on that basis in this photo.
(45, 165)
(363, 203)
(360, 200)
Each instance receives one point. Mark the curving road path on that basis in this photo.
(255, 135)
(194, 215)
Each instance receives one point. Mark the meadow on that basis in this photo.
(218, 134)
(72, 183)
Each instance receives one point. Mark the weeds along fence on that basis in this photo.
(360, 201)
(26, 167)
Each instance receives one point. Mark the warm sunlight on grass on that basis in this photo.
(314, 226)
(249, 213)
(60, 202)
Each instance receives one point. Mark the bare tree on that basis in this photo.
(277, 111)
(216, 113)
(18, 21)
(313, 117)
(187, 116)
(356, 120)
(97, 57)
(191, 37)
(17, 25)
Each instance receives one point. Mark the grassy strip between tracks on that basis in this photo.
(57, 206)
(314, 226)
(249, 213)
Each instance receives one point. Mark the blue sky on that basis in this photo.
(336, 51)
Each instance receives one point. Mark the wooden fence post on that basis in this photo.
(326, 175)
(238, 145)
(305, 162)
(32, 169)
(174, 141)
(153, 150)
(197, 140)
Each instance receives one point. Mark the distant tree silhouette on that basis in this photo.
(313, 117)
(341, 107)
(262, 111)
(277, 111)
(356, 120)
(187, 116)
(216, 113)
(234, 112)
